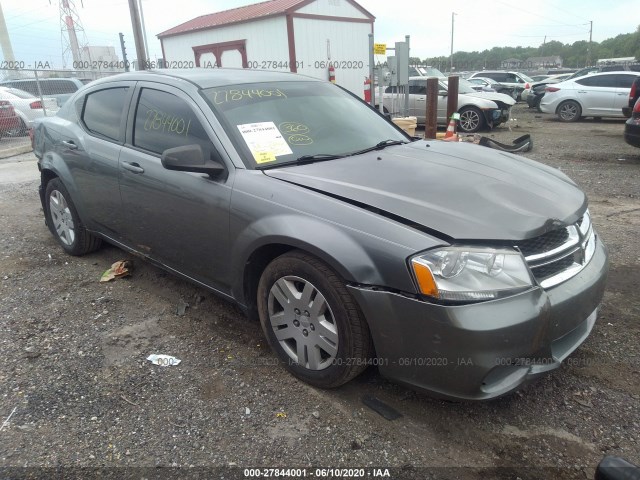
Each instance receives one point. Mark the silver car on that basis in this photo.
(450, 267)
(477, 110)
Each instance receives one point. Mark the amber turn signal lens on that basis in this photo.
(426, 283)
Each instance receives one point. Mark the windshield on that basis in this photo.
(430, 72)
(526, 78)
(280, 122)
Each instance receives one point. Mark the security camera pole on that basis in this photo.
(137, 35)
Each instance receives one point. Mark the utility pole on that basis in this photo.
(144, 30)
(589, 47)
(124, 53)
(544, 42)
(452, 15)
(137, 35)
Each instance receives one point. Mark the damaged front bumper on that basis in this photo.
(484, 350)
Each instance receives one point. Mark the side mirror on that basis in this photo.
(190, 158)
(443, 93)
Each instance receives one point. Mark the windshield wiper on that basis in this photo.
(303, 160)
(380, 146)
(321, 157)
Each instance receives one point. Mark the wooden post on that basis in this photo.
(431, 114)
(452, 98)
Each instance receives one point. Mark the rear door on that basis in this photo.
(623, 82)
(91, 149)
(596, 95)
(180, 219)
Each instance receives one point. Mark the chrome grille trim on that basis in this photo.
(574, 240)
(570, 257)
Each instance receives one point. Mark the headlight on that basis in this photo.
(467, 274)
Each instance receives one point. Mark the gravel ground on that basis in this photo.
(75, 377)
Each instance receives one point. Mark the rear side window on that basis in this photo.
(418, 87)
(103, 110)
(64, 86)
(598, 81)
(623, 81)
(497, 76)
(164, 121)
(26, 85)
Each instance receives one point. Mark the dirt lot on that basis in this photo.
(82, 394)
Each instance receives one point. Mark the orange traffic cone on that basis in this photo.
(450, 135)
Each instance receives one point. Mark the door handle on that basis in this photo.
(70, 144)
(132, 167)
(623, 94)
(582, 91)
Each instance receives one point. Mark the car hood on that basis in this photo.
(456, 190)
(494, 97)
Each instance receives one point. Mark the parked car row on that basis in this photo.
(27, 108)
(534, 93)
(58, 88)
(519, 81)
(485, 84)
(477, 109)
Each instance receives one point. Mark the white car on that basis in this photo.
(477, 109)
(518, 80)
(27, 107)
(524, 96)
(596, 95)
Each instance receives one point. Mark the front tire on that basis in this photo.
(64, 222)
(569, 111)
(311, 321)
(471, 120)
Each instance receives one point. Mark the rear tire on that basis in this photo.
(312, 322)
(569, 111)
(64, 223)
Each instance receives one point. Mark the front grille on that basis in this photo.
(544, 243)
(558, 255)
(554, 268)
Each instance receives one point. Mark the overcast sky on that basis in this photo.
(34, 25)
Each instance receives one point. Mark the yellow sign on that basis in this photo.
(380, 48)
(264, 157)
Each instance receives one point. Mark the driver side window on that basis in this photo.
(164, 121)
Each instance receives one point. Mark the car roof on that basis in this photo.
(208, 77)
(614, 72)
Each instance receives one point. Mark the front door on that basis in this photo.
(180, 219)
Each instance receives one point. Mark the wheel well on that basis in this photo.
(253, 269)
(46, 176)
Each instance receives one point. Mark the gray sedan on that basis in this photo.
(451, 267)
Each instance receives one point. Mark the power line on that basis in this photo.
(520, 9)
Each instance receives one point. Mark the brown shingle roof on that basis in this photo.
(243, 14)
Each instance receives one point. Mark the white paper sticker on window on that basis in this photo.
(265, 141)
